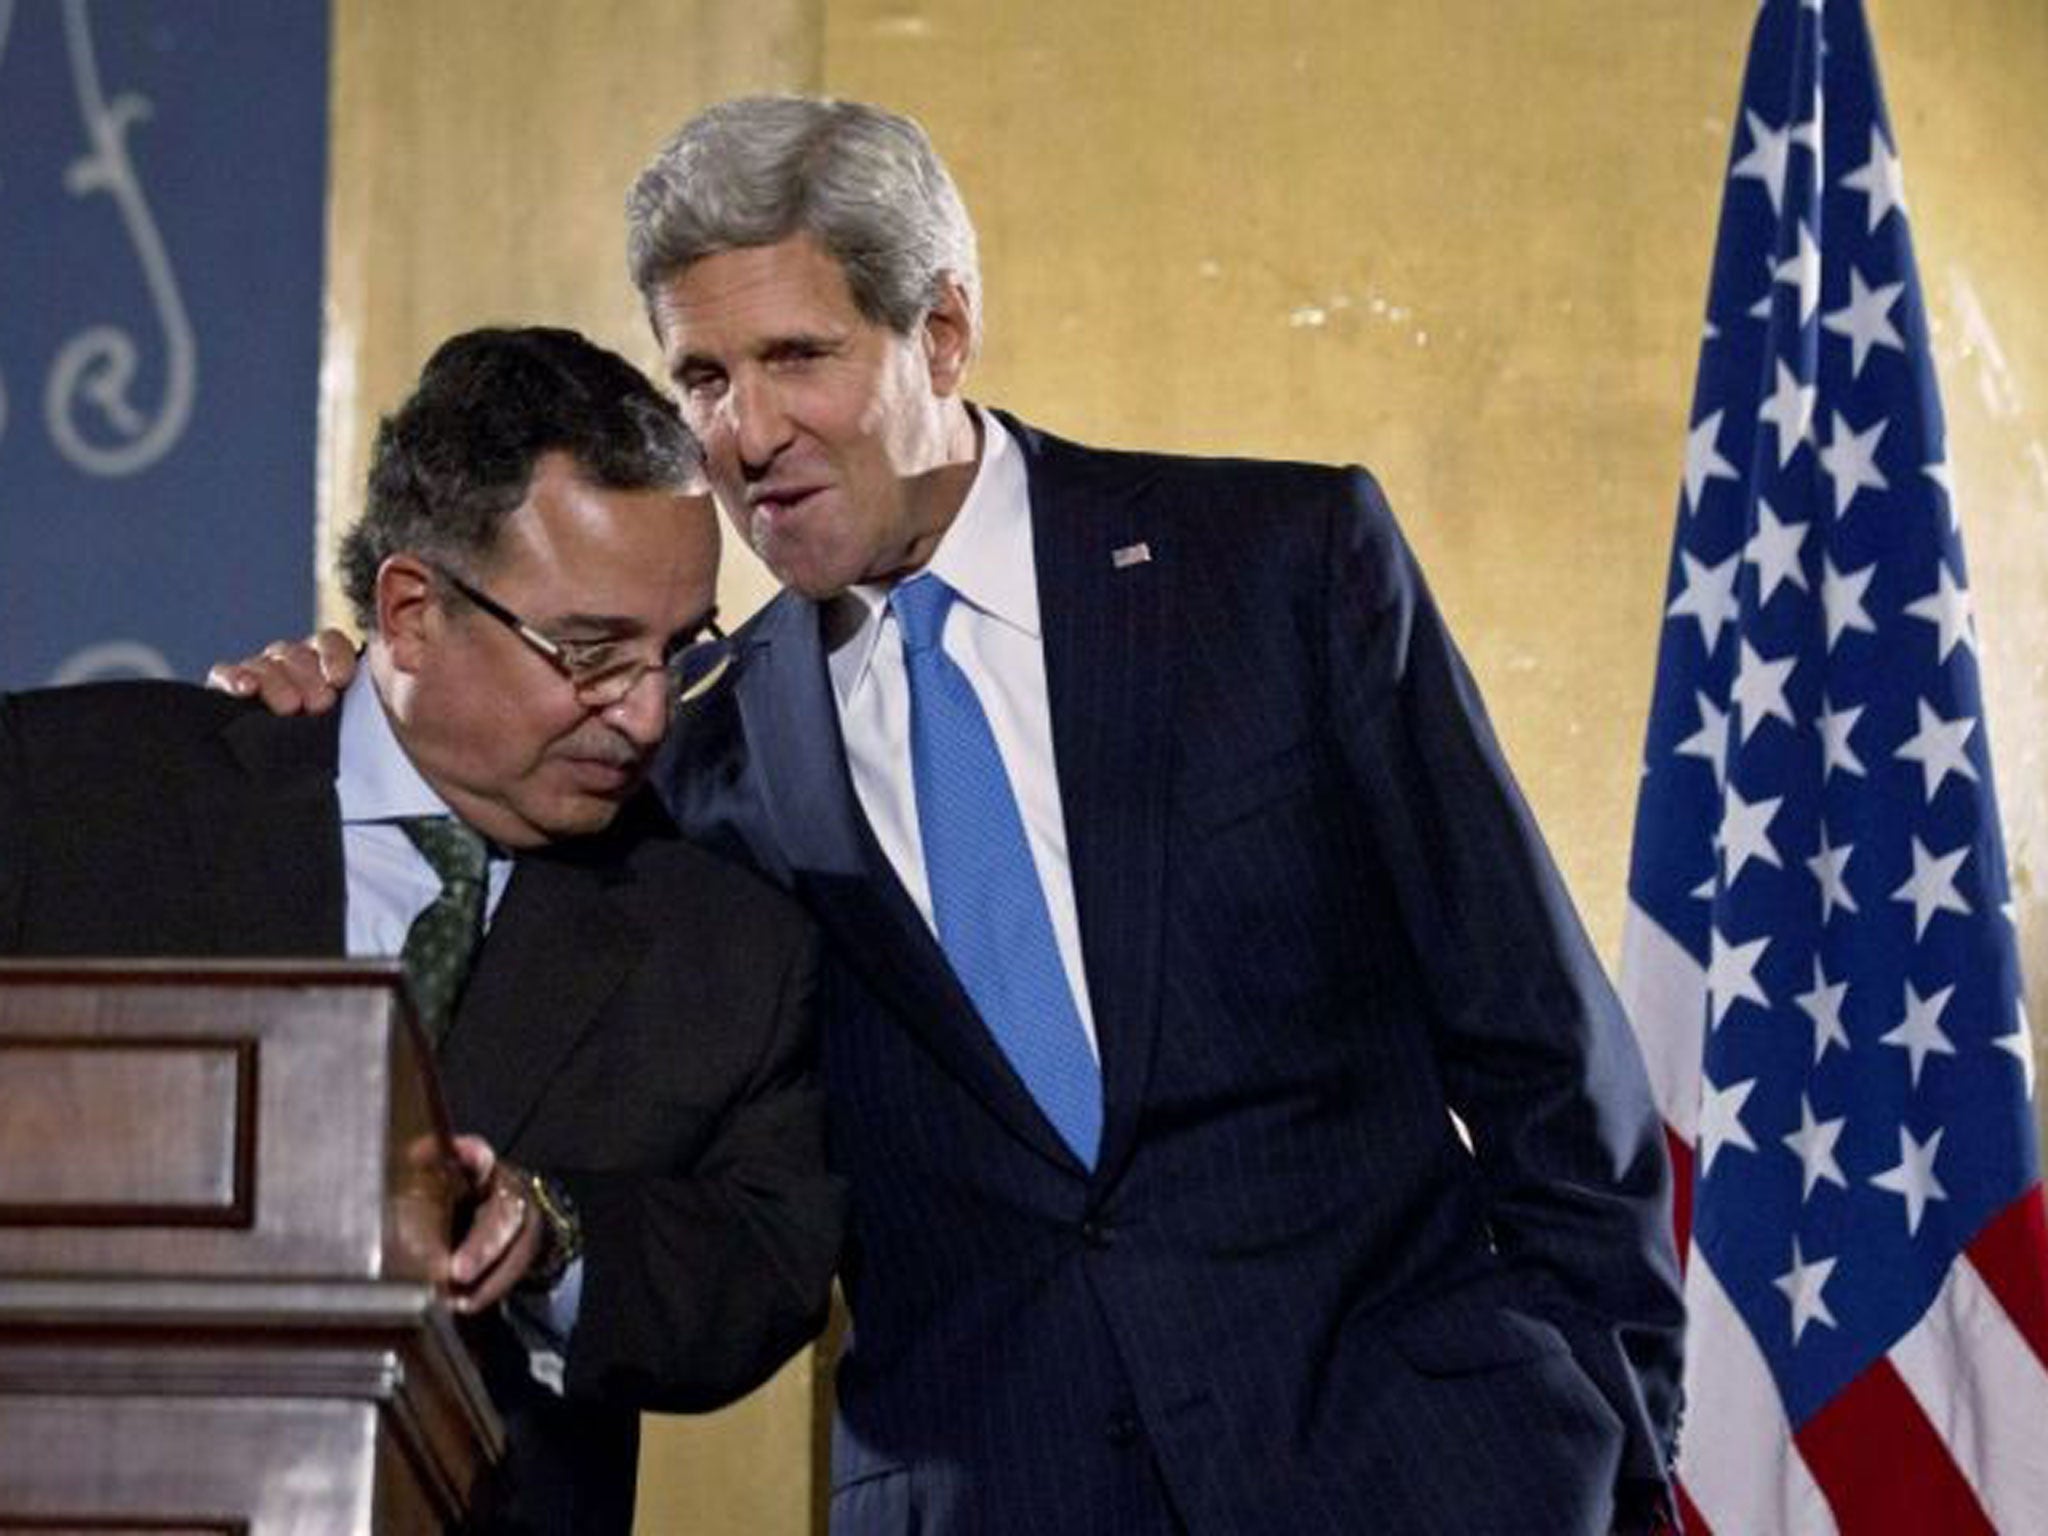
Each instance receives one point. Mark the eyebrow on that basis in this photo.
(803, 341)
(828, 340)
(609, 625)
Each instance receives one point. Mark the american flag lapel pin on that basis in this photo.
(1129, 555)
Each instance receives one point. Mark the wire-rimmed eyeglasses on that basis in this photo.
(604, 671)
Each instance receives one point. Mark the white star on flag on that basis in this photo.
(1866, 320)
(1931, 888)
(1801, 270)
(1823, 1005)
(1919, 1033)
(1721, 1122)
(1850, 461)
(1938, 473)
(1879, 180)
(1710, 741)
(1939, 747)
(1760, 688)
(1810, 134)
(1709, 597)
(1774, 550)
(1789, 412)
(1836, 751)
(2020, 1045)
(1803, 1284)
(1769, 150)
(1948, 609)
(1814, 1145)
(1703, 461)
(1829, 867)
(1913, 1177)
(1745, 832)
(1841, 597)
(1731, 976)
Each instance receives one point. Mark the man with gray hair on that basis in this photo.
(1179, 894)
(1178, 897)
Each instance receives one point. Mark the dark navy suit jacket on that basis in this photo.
(1316, 919)
(637, 1025)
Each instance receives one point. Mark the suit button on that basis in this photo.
(1096, 1233)
(1122, 1428)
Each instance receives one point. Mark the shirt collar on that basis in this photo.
(986, 557)
(376, 781)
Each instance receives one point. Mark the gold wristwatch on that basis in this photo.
(562, 1237)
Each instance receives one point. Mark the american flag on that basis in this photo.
(1819, 954)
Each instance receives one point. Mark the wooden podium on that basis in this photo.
(223, 1187)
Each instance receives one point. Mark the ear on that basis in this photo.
(409, 614)
(948, 337)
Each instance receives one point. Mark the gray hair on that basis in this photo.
(863, 182)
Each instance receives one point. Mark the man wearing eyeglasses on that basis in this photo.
(628, 1048)
(1183, 913)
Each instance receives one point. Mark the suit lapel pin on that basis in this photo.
(1131, 554)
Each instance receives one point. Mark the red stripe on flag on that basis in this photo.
(2012, 1256)
(1681, 1191)
(1882, 1466)
(1689, 1512)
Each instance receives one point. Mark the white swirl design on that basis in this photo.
(98, 366)
(109, 659)
(6, 25)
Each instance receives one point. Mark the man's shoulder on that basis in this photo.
(105, 719)
(1189, 476)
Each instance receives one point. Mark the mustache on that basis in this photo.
(599, 743)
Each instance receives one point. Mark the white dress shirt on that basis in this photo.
(993, 635)
(390, 883)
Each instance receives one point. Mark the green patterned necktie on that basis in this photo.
(443, 938)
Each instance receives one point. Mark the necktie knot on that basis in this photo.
(455, 850)
(921, 605)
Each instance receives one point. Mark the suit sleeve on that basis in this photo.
(697, 1286)
(1538, 1060)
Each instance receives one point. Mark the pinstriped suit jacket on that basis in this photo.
(1316, 917)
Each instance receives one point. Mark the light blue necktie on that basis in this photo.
(986, 898)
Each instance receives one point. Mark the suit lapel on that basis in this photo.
(557, 948)
(267, 838)
(1105, 582)
(789, 715)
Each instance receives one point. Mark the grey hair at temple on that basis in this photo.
(864, 183)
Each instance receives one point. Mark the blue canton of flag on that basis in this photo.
(1820, 959)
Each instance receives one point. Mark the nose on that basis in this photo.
(758, 420)
(641, 715)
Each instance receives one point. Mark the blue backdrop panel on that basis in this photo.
(162, 182)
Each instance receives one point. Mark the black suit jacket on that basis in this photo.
(638, 1024)
(1316, 919)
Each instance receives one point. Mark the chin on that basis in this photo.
(810, 575)
(575, 816)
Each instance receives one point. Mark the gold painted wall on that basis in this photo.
(1463, 241)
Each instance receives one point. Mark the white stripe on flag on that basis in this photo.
(1974, 1375)
(1736, 1457)
(1665, 992)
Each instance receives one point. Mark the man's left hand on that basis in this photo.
(505, 1231)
